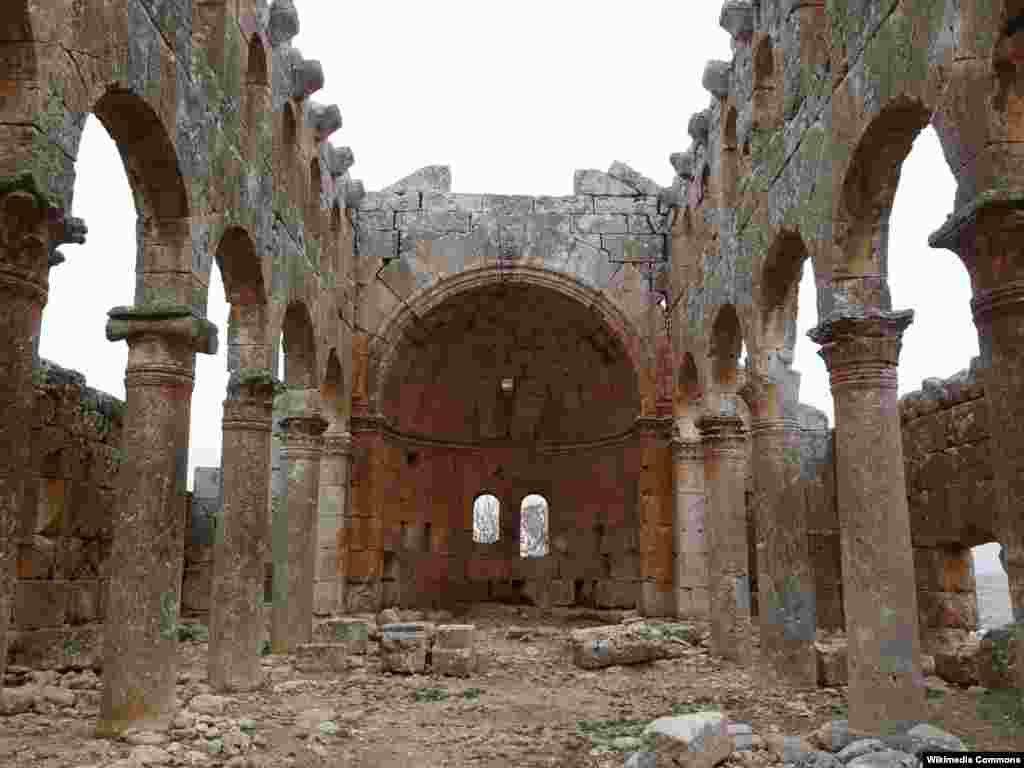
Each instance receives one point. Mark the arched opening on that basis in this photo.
(533, 526)
(730, 157)
(332, 388)
(688, 397)
(726, 346)
(486, 519)
(299, 348)
(314, 200)
(766, 110)
(257, 72)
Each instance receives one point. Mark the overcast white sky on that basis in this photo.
(514, 100)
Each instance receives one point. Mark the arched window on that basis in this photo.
(533, 526)
(486, 519)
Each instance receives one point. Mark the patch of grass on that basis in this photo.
(424, 695)
(603, 733)
(691, 707)
(1004, 708)
(265, 648)
(840, 710)
(472, 694)
(934, 694)
(681, 633)
(196, 633)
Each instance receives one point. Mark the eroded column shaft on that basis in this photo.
(243, 537)
(329, 589)
(691, 566)
(140, 633)
(786, 593)
(728, 571)
(295, 531)
(23, 293)
(886, 688)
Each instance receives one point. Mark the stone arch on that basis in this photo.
(332, 388)
(258, 70)
(766, 111)
(245, 291)
(386, 342)
(299, 340)
(781, 273)
(289, 127)
(149, 155)
(316, 186)
(866, 198)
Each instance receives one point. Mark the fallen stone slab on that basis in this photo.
(16, 701)
(614, 645)
(927, 738)
(959, 665)
(453, 662)
(699, 740)
(208, 704)
(453, 636)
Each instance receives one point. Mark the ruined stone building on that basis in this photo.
(441, 346)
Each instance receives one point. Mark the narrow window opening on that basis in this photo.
(533, 526)
(486, 519)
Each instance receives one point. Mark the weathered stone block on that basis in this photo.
(959, 667)
(83, 602)
(455, 636)
(998, 657)
(40, 604)
(352, 633)
(63, 648)
(699, 740)
(577, 204)
(614, 645)
(453, 662)
(594, 182)
(832, 663)
(321, 658)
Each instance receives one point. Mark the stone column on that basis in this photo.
(724, 439)
(862, 352)
(140, 643)
(295, 531)
(691, 566)
(242, 536)
(332, 525)
(786, 593)
(25, 261)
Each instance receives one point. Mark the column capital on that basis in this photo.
(337, 444)
(1007, 299)
(30, 231)
(250, 403)
(254, 384)
(302, 435)
(782, 425)
(862, 349)
(174, 321)
(723, 435)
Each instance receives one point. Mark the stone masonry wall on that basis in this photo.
(425, 528)
(66, 523)
(950, 493)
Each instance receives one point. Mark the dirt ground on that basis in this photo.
(531, 707)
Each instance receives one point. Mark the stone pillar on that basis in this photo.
(140, 643)
(242, 536)
(332, 525)
(691, 565)
(724, 441)
(947, 600)
(25, 261)
(294, 534)
(786, 593)
(988, 236)
(886, 688)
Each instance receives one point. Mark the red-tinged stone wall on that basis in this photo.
(410, 536)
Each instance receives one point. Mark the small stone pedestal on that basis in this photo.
(454, 653)
(404, 647)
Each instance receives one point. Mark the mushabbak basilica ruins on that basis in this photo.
(440, 348)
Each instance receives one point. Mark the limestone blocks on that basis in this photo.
(737, 18)
(414, 647)
(326, 120)
(336, 641)
(634, 643)
(284, 22)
